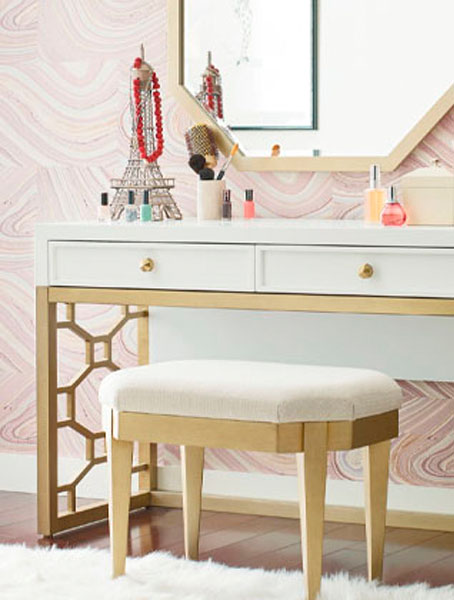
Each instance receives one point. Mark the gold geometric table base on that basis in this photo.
(50, 520)
(70, 390)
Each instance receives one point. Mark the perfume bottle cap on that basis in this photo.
(146, 197)
(226, 196)
(374, 176)
(131, 197)
(392, 195)
(249, 195)
(104, 199)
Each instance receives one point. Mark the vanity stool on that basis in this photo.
(266, 407)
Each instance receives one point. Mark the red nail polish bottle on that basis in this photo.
(249, 205)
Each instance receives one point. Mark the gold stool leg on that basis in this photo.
(376, 469)
(192, 479)
(148, 480)
(119, 455)
(312, 466)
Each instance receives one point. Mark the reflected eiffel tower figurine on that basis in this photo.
(147, 143)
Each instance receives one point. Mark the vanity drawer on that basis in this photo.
(228, 267)
(400, 271)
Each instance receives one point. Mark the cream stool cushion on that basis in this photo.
(250, 391)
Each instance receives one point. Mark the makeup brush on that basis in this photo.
(197, 162)
(226, 165)
(200, 140)
(206, 174)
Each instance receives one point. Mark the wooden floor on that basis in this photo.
(242, 540)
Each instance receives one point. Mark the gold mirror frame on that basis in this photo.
(286, 163)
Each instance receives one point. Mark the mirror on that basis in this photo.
(336, 85)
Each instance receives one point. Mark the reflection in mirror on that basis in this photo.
(265, 59)
(382, 65)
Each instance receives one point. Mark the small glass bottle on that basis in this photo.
(249, 205)
(393, 213)
(145, 208)
(375, 196)
(130, 209)
(103, 208)
(226, 206)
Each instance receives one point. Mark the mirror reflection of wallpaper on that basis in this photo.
(64, 78)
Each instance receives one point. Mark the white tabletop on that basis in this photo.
(254, 231)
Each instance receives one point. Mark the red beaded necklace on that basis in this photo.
(157, 116)
(210, 95)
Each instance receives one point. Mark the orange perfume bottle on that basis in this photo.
(375, 196)
(393, 213)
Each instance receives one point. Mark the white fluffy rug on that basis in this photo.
(83, 574)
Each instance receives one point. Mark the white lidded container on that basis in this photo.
(428, 196)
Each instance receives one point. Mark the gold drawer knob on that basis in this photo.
(366, 271)
(147, 265)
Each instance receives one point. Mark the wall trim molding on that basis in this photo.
(290, 510)
(254, 493)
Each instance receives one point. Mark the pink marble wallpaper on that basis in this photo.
(64, 132)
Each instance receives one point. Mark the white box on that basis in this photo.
(428, 196)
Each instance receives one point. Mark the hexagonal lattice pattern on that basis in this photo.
(91, 363)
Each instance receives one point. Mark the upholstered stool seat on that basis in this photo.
(250, 391)
(273, 407)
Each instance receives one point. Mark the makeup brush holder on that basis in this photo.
(209, 199)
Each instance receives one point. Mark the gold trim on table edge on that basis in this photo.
(386, 305)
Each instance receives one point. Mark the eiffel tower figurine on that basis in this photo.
(147, 142)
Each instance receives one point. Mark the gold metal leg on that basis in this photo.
(46, 373)
(312, 466)
(376, 469)
(192, 478)
(120, 465)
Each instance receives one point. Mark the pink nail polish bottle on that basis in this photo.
(249, 205)
(393, 213)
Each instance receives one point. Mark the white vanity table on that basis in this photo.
(271, 265)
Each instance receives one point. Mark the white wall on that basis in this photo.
(405, 347)
(18, 473)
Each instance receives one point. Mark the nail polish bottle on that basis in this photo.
(375, 196)
(130, 209)
(226, 206)
(145, 208)
(249, 205)
(103, 208)
(393, 213)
